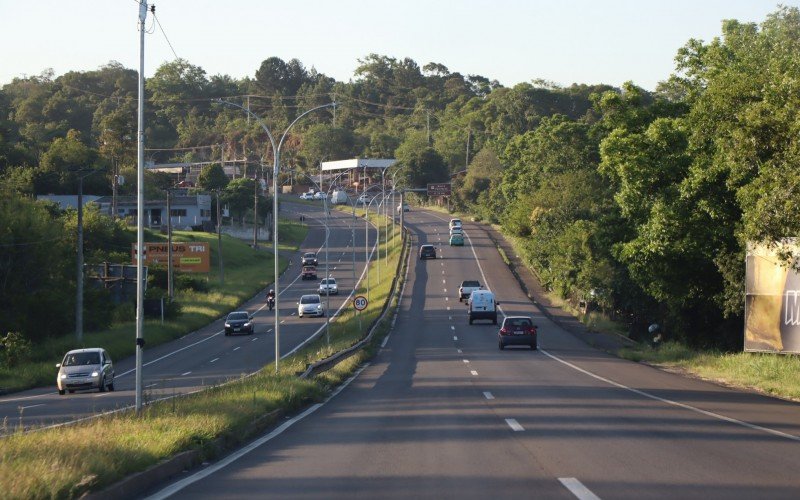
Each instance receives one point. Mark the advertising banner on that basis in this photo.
(191, 257)
(772, 300)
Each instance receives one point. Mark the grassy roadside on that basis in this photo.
(241, 265)
(68, 462)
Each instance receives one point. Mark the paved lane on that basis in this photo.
(441, 412)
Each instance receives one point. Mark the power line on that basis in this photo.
(165, 35)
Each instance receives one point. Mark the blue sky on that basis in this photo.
(578, 41)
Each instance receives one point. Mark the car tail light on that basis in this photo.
(532, 330)
(503, 331)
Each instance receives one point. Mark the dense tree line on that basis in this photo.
(639, 202)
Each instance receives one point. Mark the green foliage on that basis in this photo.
(14, 349)
(212, 177)
(422, 163)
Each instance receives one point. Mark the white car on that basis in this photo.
(320, 195)
(310, 305)
(328, 286)
(403, 208)
(455, 223)
(85, 369)
(363, 199)
(307, 196)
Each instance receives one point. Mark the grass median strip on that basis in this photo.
(68, 462)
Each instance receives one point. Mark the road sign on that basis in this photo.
(439, 189)
(360, 303)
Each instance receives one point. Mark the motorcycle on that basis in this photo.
(271, 302)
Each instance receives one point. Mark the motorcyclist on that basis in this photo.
(271, 298)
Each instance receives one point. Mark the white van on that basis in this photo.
(482, 305)
(338, 198)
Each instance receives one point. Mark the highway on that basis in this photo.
(440, 412)
(207, 356)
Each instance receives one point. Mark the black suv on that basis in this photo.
(427, 252)
(310, 259)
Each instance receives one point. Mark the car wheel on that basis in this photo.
(111, 387)
(501, 345)
(227, 334)
(61, 392)
(103, 384)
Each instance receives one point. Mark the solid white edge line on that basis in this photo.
(674, 403)
(512, 422)
(577, 488)
(183, 483)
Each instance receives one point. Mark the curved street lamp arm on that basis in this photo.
(255, 117)
(283, 137)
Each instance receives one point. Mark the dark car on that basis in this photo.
(310, 259)
(517, 330)
(239, 322)
(427, 252)
(309, 273)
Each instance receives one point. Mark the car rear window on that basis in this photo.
(470, 283)
(518, 322)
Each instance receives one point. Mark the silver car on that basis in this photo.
(310, 305)
(85, 369)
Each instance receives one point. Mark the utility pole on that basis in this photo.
(140, 210)
(170, 285)
(334, 110)
(255, 211)
(327, 262)
(219, 242)
(79, 291)
(469, 136)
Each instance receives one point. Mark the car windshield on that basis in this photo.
(310, 255)
(329, 282)
(82, 358)
(309, 299)
(518, 322)
(235, 316)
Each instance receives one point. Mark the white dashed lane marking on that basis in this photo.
(455, 338)
(514, 425)
(214, 360)
(184, 374)
(578, 489)
(31, 406)
(236, 348)
(474, 373)
(488, 395)
(465, 360)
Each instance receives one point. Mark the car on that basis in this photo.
(328, 286)
(309, 273)
(339, 197)
(517, 330)
(363, 199)
(403, 208)
(456, 230)
(239, 322)
(482, 305)
(467, 287)
(320, 195)
(455, 223)
(310, 305)
(310, 259)
(307, 196)
(85, 369)
(427, 252)
(457, 240)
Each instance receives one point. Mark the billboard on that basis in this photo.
(772, 299)
(190, 256)
(439, 189)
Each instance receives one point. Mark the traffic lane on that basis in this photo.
(606, 436)
(410, 425)
(182, 365)
(741, 405)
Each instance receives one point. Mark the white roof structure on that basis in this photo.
(357, 163)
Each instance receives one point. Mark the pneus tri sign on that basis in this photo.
(772, 300)
(191, 257)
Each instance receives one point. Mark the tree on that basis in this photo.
(422, 163)
(212, 177)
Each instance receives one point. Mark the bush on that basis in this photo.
(123, 313)
(14, 348)
(190, 282)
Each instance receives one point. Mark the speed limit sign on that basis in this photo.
(360, 303)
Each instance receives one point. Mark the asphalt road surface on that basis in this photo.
(207, 356)
(442, 413)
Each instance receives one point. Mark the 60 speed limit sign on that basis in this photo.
(360, 303)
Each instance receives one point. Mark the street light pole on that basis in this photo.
(79, 291)
(276, 149)
(170, 285)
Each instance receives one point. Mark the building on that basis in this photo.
(186, 210)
